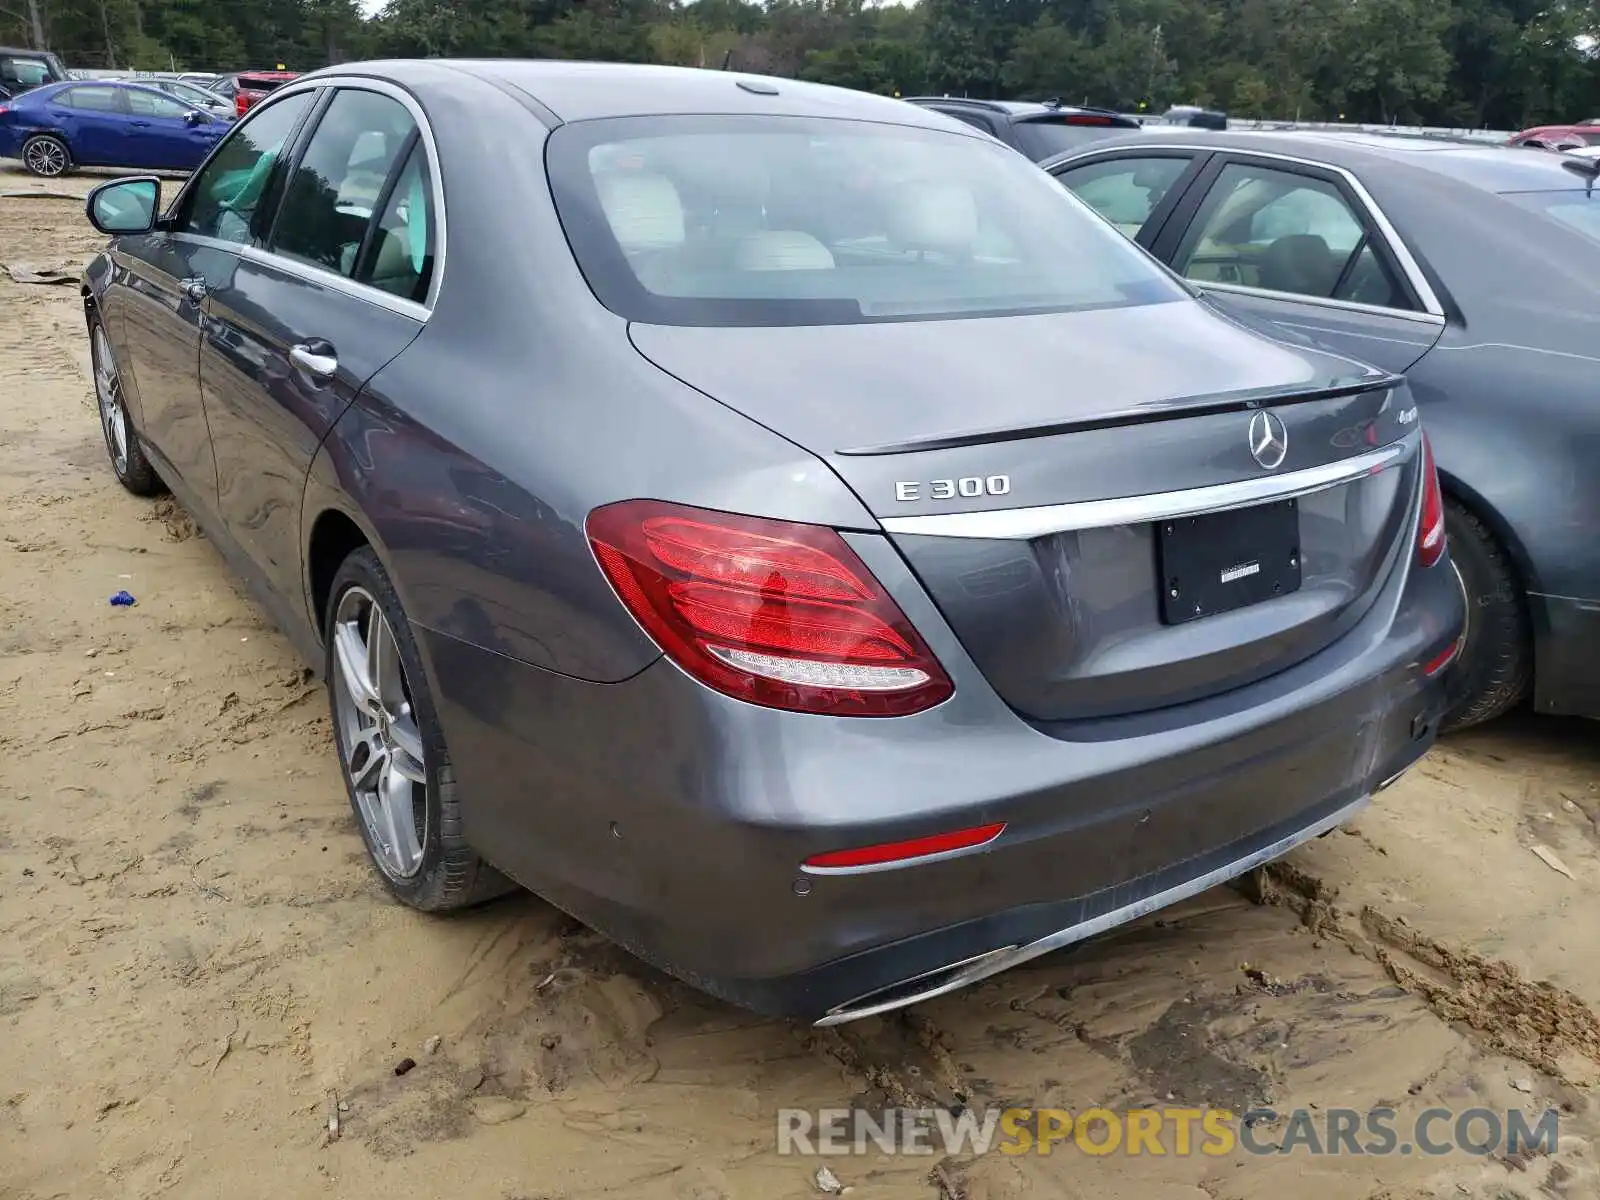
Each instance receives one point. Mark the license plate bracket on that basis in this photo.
(1219, 562)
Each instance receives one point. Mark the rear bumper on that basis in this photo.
(675, 820)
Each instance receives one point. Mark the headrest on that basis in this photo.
(934, 216)
(644, 210)
(781, 250)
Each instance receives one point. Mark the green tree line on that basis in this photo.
(1496, 63)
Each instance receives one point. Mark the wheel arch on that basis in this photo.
(1469, 498)
(334, 534)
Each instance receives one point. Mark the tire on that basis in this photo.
(414, 841)
(126, 452)
(46, 155)
(1495, 671)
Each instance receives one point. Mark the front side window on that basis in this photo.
(91, 99)
(1125, 191)
(1284, 232)
(330, 198)
(223, 199)
(804, 221)
(153, 104)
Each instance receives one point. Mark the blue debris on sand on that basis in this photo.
(123, 600)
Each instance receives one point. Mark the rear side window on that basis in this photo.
(1282, 231)
(336, 186)
(223, 199)
(399, 254)
(805, 221)
(92, 99)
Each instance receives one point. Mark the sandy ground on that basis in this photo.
(194, 956)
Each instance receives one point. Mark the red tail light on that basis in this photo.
(1430, 530)
(774, 613)
(241, 103)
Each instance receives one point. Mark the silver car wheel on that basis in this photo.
(108, 391)
(45, 156)
(379, 741)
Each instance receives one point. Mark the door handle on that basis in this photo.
(315, 358)
(140, 124)
(195, 288)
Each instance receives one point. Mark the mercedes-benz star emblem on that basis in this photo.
(1269, 440)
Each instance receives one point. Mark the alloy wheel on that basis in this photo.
(380, 743)
(46, 157)
(108, 392)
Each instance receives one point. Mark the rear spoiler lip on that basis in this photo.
(1197, 406)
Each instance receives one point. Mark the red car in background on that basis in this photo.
(1551, 137)
(247, 88)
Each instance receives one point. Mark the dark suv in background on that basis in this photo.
(24, 70)
(1037, 130)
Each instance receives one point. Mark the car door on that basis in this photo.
(165, 277)
(1135, 189)
(292, 334)
(95, 123)
(166, 136)
(1300, 245)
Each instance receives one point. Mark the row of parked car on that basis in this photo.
(840, 560)
(54, 122)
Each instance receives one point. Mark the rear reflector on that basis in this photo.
(886, 853)
(771, 612)
(1442, 660)
(1430, 530)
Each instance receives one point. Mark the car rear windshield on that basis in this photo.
(1040, 140)
(801, 221)
(255, 83)
(1575, 209)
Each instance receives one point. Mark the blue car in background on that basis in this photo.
(100, 123)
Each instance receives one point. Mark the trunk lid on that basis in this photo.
(1032, 471)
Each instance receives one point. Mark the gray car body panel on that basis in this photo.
(675, 818)
(1508, 381)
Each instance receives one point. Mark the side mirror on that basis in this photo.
(195, 117)
(125, 205)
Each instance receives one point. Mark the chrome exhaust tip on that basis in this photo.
(922, 987)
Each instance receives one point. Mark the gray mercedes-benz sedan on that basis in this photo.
(777, 525)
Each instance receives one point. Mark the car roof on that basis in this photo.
(1015, 108)
(1490, 168)
(581, 91)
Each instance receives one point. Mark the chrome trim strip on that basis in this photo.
(1024, 524)
(332, 279)
(983, 966)
(1397, 245)
(1377, 310)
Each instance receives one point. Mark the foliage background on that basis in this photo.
(1495, 63)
